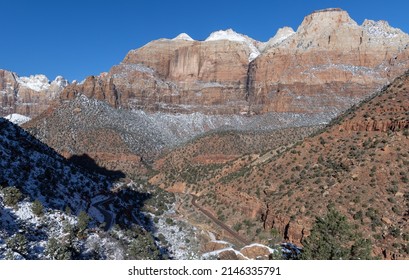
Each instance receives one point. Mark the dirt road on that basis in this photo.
(234, 234)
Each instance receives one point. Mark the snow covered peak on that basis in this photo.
(60, 81)
(35, 82)
(183, 36)
(228, 34)
(231, 35)
(281, 35)
(41, 82)
(17, 119)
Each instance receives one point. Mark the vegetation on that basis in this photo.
(18, 243)
(83, 221)
(333, 238)
(12, 196)
(37, 208)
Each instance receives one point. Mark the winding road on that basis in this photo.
(234, 234)
(108, 216)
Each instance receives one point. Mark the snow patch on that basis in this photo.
(231, 35)
(60, 81)
(17, 118)
(217, 253)
(183, 36)
(35, 82)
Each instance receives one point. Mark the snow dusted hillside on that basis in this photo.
(30, 171)
(52, 209)
(146, 134)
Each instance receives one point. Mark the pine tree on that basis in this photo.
(37, 208)
(12, 196)
(332, 238)
(60, 250)
(83, 222)
(18, 243)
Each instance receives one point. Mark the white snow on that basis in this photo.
(35, 82)
(217, 253)
(60, 82)
(25, 213)
(231, 35)
(40, 82)
(17, 118)
(183, 36)
(381, 29)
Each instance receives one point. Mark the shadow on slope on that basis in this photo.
(89, 164)
(40, 173)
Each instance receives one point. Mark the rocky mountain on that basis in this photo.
(357, 165)
(330, 63)
(28, 96)
(327, 65)
(130, 140)
(51, 208)
(226, 124)
(176, 89)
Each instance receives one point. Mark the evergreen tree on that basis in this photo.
(332, 238)
(37, 208)
(83, 222)
(60, 250)
(12, 196)
(18, 243)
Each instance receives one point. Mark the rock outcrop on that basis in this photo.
(28, 96)
(327, 65)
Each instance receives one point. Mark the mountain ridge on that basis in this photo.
(357, 165)
(329, 55)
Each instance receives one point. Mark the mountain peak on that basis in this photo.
(231, 35)
(183, 36)
(324, 19)
(35, 82)
(281, 35)
(228, 34)
(381, 29)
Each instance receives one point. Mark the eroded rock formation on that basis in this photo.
(327, 65)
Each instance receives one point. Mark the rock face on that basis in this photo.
(327, 65)
(176, 76)
(28, 96)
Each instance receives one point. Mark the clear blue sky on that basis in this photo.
(79, 38)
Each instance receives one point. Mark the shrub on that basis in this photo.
(37, 208)
(332, 238)
(12, 196)
(83, 221)
(18, 243)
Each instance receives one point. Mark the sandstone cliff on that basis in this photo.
(27, 96)
(327, 65)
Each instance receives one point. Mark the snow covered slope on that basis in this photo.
(231, 35)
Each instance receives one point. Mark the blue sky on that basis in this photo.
(79, 38)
